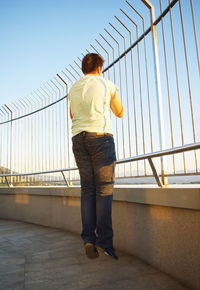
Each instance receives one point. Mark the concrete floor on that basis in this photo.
(34, 257)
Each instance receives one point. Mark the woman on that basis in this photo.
(91, 99)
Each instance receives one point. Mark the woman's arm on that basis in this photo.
(116, 106)
(70, 111)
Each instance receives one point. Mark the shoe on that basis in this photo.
(91, 251)
(108, 251)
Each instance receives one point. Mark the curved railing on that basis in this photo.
(155, 64)
(159, 179)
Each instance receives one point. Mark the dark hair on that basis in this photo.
(91, 62)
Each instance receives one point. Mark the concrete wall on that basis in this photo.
(161, 226)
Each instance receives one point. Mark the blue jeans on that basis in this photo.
(95, 157)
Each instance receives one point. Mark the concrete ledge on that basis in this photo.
(179, 197)
(160, 226)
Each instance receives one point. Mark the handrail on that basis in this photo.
(175, 150)
(36, 111)
(149, 156)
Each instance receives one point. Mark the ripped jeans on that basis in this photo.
(95, 157)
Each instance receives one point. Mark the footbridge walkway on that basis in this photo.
(37, 257)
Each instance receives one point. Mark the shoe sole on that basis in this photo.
(102, 250)
(91, 251)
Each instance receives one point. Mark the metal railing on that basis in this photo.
(151, 52)
(148, 156)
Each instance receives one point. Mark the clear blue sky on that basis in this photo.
(41, 37)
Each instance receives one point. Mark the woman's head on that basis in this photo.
(92, 62)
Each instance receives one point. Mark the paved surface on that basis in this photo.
(36, 257)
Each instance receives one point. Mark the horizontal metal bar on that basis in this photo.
(26, 115)
(165, 152)
(40, 172)
(165, 175)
